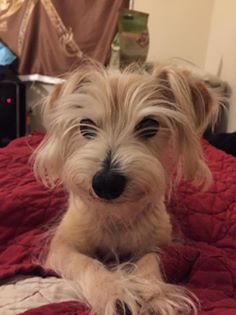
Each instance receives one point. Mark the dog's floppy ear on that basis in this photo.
(190, 95)
(205, 103)
(58, 119)
(196, 103)
(48, 157)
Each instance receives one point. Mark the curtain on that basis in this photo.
(51, 37)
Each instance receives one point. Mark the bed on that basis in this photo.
(203, 258)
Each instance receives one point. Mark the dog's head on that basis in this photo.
(118, 137)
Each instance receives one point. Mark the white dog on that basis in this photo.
(117, 141)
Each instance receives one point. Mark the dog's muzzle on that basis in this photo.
(108, 184)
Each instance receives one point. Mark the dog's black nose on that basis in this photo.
(108, 184)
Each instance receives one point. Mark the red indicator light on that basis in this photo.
(8, 100)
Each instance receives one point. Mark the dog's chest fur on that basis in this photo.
(113, 237)
(143, 235)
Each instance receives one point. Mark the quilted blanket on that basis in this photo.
(205, 261)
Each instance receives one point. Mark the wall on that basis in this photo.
(178, 28)
(221, 53)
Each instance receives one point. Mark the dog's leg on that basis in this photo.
(160, 297)
(105, 291)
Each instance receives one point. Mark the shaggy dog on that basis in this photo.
(118, 141)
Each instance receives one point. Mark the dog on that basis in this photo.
(118, 141)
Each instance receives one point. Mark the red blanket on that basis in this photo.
(205, 263)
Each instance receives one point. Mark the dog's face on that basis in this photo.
(115, 138)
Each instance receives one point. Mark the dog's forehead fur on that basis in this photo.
(121, 98)
(115, 98)
(116, 102)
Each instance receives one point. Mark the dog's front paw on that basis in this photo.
(159, 297)
(112, 295)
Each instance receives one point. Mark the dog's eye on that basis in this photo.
(147, 128)
(88, 128)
